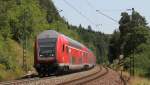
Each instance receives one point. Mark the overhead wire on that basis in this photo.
(80, 13)
(88, 3)
(107, 16)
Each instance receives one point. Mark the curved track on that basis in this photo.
(88, 78)
(27, 81)
(98, 75)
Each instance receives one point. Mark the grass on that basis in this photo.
(136, 80)
(11, 60)
(139, 81)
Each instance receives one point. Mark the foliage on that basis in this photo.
(22, 20)
(132, 40)
(133, 32)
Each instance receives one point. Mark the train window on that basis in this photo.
(63, 48)
(82, 53)
(67, 49)
(47, 47)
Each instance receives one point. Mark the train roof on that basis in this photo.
(48, 34)
(74, 42)
(54, 34)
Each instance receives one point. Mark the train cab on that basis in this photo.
(55, 51)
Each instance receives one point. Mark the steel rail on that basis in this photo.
(82, 78)
(90, 80)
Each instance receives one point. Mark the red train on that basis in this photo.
(55, 52)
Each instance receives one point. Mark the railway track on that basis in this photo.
(36, 80)
(86, 79)
(99, 74)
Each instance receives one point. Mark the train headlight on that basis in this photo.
(52, 54)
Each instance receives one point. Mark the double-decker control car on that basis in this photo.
(56, 52)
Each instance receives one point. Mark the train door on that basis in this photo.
(69, 54)
(84, 58)
(63, 53)
(82, 55)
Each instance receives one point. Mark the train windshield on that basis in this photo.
(47, 47)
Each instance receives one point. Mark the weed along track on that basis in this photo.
(28, 81)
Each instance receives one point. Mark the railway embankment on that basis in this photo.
(99, 75)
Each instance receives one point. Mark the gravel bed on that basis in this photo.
(69, 77)
(111, 78)
(53, 80)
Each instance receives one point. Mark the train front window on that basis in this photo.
(47, 47)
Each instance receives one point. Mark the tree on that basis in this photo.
(133, 32)
(113, 46)
(89, 28)
(4, 21)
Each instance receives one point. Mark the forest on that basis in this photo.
(132, 40)
(22, 20)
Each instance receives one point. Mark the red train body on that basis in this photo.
(57, 52)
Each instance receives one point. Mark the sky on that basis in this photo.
(84, 12)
